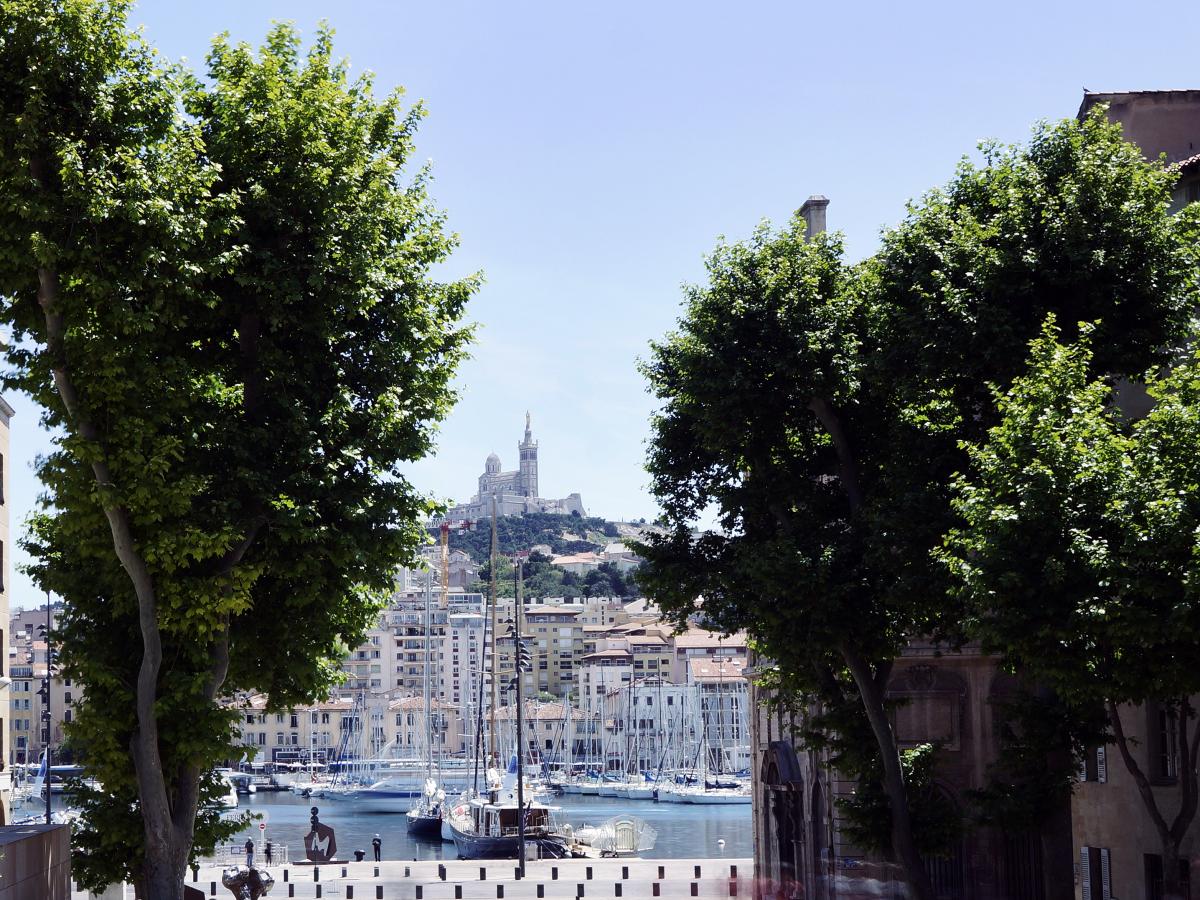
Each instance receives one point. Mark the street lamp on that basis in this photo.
(44, 693)
(523, 660)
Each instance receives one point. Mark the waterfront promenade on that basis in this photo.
(492, 879)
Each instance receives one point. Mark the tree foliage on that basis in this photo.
(816, 410)
(220, 293)
(1078, 557)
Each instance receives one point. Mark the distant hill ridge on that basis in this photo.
(562, 534)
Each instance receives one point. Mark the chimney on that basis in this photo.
(813, 211)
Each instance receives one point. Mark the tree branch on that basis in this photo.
(1139, 777)
(1187, 775)
(847, 464)
(145, 739)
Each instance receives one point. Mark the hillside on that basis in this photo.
(562, 534)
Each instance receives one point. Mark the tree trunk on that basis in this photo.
(904, 847)
(163, 870)
(1169, 835)
(1173, 887)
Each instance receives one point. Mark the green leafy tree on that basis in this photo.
(220, 294)
(1078, 555)
(815, 411)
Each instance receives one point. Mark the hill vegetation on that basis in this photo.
(562, 534)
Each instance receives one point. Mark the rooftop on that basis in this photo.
(698, 637)
(716, 668)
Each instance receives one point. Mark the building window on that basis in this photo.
(295, 722)
(1154, 877)
(1095, 873)
(1095, 765)
(279, 738)
(1162, 746)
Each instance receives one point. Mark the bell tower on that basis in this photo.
(529, 464)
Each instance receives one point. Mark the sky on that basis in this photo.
(590, 154)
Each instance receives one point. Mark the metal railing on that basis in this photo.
(235, 854)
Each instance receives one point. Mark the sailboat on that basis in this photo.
(488, 827)
(502, 823)
(425, 817)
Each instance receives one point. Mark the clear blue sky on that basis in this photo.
(590, 154)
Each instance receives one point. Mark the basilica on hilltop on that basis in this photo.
(515, 492)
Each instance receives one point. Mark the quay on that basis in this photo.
(545, 879)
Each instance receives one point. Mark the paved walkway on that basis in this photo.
(496, 880)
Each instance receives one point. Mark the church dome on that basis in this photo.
(492, 466)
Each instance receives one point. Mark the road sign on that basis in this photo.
(262, 826)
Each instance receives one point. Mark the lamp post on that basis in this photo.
(46, 717)
(522, 662)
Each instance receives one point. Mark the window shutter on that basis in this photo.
(1085, 873)
(1101, 764)
(1105, 875)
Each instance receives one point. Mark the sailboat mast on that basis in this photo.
(517, 645)
(495, 679)
(428, 666)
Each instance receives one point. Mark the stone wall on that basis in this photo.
(36, 862)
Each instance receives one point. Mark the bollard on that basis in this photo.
(554, 873)
(316, 873)
(733, 871)
(579, 890)
(213, 890)
(377, 871)
(662, 872)
(517, 873)
(483, 873)
(318, 894)
(624, 873)
(420, 892)
(500, 891)
(617, 889)
(379, 892)
(406, 871)
(697, 873)
(695, 889)
(654, 889)
(291, 889)
(733, 887)
(343, 871)
(589, 873)
(541, 891)
(441, 872)
(285, 875)
(458, 892)
(349, 892)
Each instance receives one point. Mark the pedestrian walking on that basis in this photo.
(376, 844)
(249, 853)
(267, 852)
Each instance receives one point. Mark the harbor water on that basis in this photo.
(684, 830)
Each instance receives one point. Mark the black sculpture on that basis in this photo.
(320, 845)
(247, 884)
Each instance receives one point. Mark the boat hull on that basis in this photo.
(714, 799)
(475, 846)
(425, 826)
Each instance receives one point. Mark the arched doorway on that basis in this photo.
(946, 870)
(782, 825)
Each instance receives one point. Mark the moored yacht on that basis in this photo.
(488, 827)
